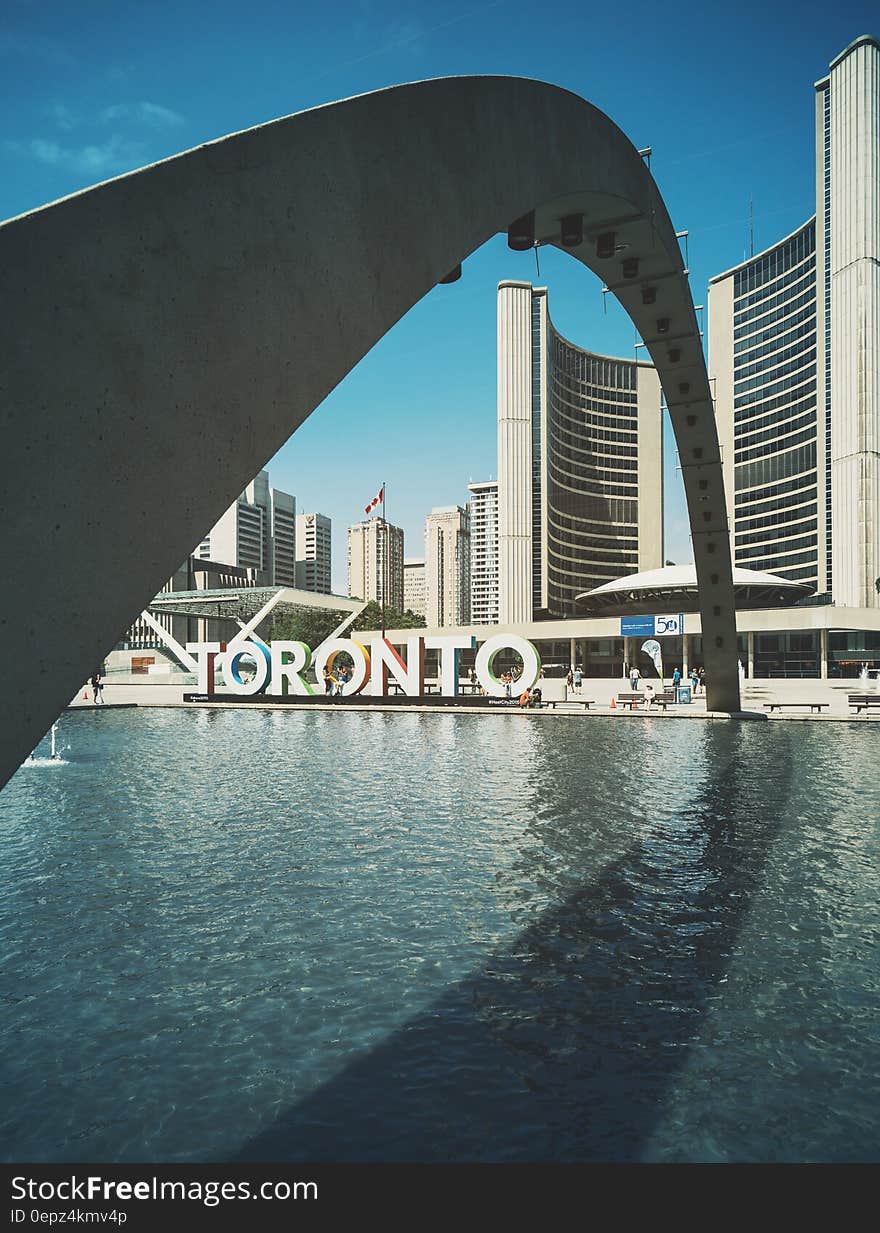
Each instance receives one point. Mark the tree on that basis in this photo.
(371, 618)
(308, 625)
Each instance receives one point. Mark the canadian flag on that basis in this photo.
(375, 501)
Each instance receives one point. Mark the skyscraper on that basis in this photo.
(414, 586)
(794, 348)
(484, 552)
(375, 562)
(448, 567)
(257, 532)
(579, 463)
(313, 535)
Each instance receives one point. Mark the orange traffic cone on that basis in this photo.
(85, 695)
(613, 704)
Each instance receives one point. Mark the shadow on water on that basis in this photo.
(565, 1045)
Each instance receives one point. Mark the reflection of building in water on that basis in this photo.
(579, 463)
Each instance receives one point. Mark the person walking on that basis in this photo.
(569, 680)
(97, 688)
(329, 681)
(701, 678)
(578, 680)
(634, 678)
(676, 681)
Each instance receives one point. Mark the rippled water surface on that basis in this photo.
(269, 935)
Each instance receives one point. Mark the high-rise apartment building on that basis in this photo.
(375, 562)
(313, 543)
(414, 586)
(448, 567)
(794, 350)
(579, 463)
(257, 532)
(483, 506)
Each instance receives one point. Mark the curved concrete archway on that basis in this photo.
(168, 330)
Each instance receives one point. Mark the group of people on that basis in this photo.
(575, 679)
(696, 676)
(334, 686)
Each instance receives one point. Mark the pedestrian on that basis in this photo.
(341, 680)
(695, 680)
(649, 695)
(97, 688)
(634, 678)
(542, 674)
(569, 680)
(329, 681)
(701, 677)
(676, 681)
(578, 680)
(508, 684)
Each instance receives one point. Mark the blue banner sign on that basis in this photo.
(652, 626)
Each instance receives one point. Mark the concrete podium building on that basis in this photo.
(579, 463)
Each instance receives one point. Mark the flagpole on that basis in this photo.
(385, 570)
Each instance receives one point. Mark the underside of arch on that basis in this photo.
(168, 331)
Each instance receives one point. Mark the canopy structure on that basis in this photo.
(675, 588)
(244, 603)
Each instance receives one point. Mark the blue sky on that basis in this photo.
(723, 93)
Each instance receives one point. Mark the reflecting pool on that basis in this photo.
(348, 936)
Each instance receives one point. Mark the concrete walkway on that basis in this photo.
(756, 695)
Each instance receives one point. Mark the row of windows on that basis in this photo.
(587, 432)
(566, 444)
(780, 565)
(775, 433)
(583, 540)
(760, 406)
(777, 331)
(773, 264)
(775, 357)
(615, 374)
(776, 468)
(803, 365)
(625, 561)
(791, 514)
(595, 508)
(768, 538)
(582, 392)
(590, 525)
(759, 451)
(624, 407)
(756, 416)
(778, 306)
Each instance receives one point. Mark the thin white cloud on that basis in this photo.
(63, 117)
(106, 158)
(151, 114)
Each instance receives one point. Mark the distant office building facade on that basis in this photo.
(448, 567)
(375, 562)
(794, 350)
(414, 587)
(579, 463)
(483, 507)
(257, 532)
(313, 544)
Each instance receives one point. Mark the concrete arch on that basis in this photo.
(168, 330)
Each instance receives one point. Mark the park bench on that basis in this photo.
(864, 702)
(586, 703)
(633, 700)
(816, 707)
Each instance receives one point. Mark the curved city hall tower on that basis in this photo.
(579, 463)
(794, 349)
